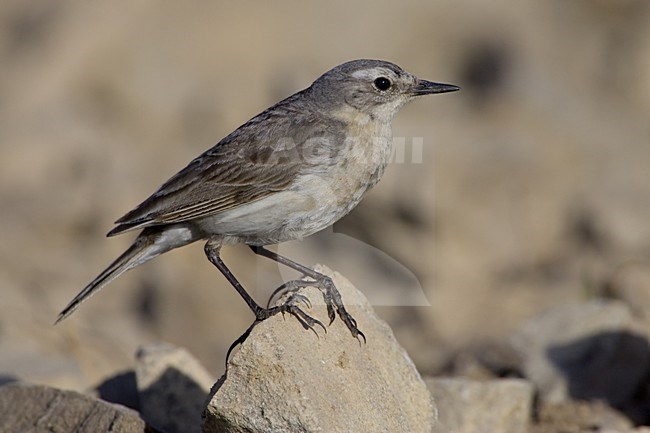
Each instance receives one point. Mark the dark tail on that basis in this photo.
(143, 249)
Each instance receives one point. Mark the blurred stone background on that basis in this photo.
(533, 189)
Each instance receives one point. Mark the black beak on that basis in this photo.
(424, 87)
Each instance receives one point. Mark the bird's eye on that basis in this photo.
(382, 83)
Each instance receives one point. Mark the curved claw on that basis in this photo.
(332, 299)
(297, 297)
(281, 288)
(305, 319)
(240, 340)
(334, 303)
(289, 286)
(331, 313)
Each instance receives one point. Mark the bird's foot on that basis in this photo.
(291, 288)
(331, 295)
(289, 306)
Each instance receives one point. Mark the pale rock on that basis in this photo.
(470, 406)
(286, 379)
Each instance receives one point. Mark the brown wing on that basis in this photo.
(253, 162)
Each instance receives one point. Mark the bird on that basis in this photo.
(287, 173)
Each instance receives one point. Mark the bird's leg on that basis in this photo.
(212, 248)
(331, 294)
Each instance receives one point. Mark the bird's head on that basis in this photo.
(374, 87)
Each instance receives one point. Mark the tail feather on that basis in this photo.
(143, 249)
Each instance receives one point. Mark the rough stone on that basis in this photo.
(286, 379)
(41, 409)
(594, 350)
(172, 386)
(468, 406)
(580, 417)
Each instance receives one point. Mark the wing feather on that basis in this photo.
(240, 169)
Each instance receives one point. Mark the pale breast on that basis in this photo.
(359, 164)
(323, 193)
(366, 153)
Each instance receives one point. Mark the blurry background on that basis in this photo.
(533, 189)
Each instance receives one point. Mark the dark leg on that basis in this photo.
(212, 248)
(331, 294)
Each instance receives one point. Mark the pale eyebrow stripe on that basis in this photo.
(368, 73)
